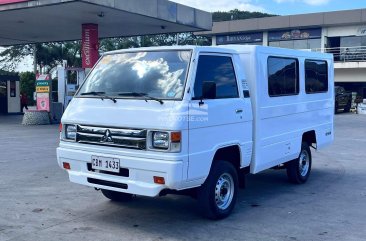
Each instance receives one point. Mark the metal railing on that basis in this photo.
(346, 54)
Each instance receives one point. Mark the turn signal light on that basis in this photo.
(175, 136)
(66, 165)
(60, 128)
(159, 180)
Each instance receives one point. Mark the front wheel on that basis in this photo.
(298, 170)
(217, 196)
(117, 196)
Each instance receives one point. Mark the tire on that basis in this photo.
(117, 196)
(298, 170)
(217, 196)
(347, 108)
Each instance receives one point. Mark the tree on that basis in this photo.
(237, 14)
(27, 85)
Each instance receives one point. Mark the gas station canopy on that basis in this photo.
(36, 21)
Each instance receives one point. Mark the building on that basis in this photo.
(342, 33)
(9, 94)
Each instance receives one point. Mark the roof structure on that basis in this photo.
(35, 21)
(336, 18)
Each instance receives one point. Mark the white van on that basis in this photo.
(196, 120)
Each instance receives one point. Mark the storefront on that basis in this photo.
(296, 38)
(9, 94)
(242, 38)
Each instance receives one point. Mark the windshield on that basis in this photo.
(159, 74)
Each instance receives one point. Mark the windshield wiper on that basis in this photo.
(101, 95)
(145, 95)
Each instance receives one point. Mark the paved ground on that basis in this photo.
(37, 202)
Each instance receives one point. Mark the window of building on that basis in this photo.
(316, 76)
(297, 44)
(220, 70)
(283, 76)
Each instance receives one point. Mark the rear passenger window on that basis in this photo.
(316, 76)
(283, 76)
(220, 70)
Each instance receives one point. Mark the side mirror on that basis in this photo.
(208, 90)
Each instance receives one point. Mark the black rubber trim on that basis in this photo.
(107, 183)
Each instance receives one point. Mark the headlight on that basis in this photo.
(165, 141)
(70, 132)
(160, 140)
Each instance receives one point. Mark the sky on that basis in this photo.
(280, 7)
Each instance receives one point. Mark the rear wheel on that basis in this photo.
(298, 170)
(117, 196)
(217, 196)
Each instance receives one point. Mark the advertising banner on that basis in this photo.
(43, 102)
(295, 34)
(239, 38)
(90, 45)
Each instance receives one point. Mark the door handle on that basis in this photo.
(239, 111)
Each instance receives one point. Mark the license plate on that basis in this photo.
(105, 164)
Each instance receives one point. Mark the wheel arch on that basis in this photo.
(310, 138)
(230, 154)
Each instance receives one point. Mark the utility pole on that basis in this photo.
(35, 58)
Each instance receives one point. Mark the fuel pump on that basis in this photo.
(69, 80)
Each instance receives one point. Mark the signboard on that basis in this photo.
(239, 38)
(295, 34)
(43, 102)
(11, 1)
(43, 89)
(42, 83)
(89, 42)
(361, 31)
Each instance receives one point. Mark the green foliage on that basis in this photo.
(237, 14)
(27, 85)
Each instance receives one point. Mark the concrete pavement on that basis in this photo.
(37, 202)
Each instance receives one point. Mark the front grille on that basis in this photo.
(116, 137)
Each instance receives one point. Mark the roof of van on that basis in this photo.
(231, 49)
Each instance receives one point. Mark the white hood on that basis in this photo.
(127, 113)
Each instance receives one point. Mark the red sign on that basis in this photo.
(11, 1)
(90, 42)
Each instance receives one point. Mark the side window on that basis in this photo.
(316, 76)
(220, 70)
(283, 76)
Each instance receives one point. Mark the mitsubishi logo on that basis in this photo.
(107, 137)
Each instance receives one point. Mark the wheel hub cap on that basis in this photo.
(304, 163)
(224, 191)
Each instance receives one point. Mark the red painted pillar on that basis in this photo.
(90, 45)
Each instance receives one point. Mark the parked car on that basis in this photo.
(343, 99)
(196, 120)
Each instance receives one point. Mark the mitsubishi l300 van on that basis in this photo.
(196, 120)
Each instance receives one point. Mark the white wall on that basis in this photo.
(14, 102)
(343, 30)
(350, 75)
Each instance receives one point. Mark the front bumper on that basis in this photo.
(140, 178)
